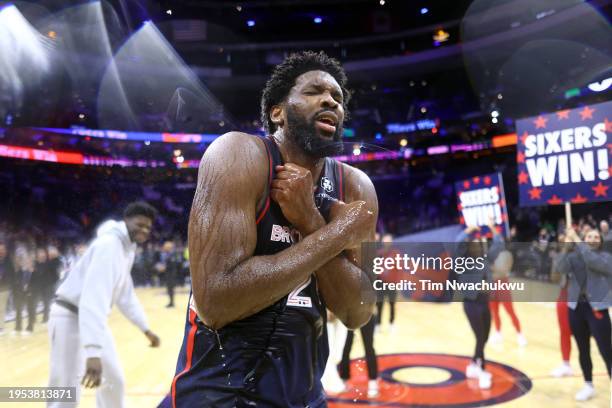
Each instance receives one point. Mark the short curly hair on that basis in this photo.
(284, 75)
(140, 208)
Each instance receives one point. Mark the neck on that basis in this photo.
(290, 153)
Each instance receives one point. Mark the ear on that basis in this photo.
(277, 115)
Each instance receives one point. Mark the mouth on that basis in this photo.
(327, 124)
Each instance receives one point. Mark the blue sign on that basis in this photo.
(565, 156)
(480, 198)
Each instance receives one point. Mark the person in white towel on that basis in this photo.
(82, 347)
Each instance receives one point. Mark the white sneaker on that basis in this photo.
(586, 393)
(377, 330)
(485, 380)
(564, 370)
(496, 337)
(25, 333)
(392, 328)
(473, 370)
(373, 389)
(522, 341)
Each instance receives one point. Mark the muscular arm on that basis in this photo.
(229, 283)
(345, 287)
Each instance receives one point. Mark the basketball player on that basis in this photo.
(77, 324)
(268, 256)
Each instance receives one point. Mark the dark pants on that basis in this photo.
(47, 294)
(37, 294)
(392, 296)
(367, 335)
(170, 289)
(479, 316)
(585, 322)
(32, 299)
(20, 300)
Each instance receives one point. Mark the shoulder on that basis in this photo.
(357, 184)
(237, 145)
(242, 154)
(107, 242)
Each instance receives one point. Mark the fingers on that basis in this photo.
(97, 380)
(284, 185)
(284, 175)
(288, 175)
(279, 184)
(279, 195)
(289, 169)
(91, 379)
(294, 168)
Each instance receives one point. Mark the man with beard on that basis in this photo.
(274, 239)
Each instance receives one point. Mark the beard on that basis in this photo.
(304, 134)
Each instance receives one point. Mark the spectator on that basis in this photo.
(52, 273)
(6, 273)
(170, 265)
(24, 267)
(37, 283)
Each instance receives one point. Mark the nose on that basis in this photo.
(328, 101)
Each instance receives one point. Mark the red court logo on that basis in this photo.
(452, 390)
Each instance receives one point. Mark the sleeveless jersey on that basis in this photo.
(276, 357)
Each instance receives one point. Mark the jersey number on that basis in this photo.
(300, 301)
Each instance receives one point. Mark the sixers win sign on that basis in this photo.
(481, 198)
(565, 156)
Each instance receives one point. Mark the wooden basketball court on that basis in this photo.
(433, 330)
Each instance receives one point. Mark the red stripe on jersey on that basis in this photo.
(341, 174)
(190, 344)
(267, 206)
(265, 210)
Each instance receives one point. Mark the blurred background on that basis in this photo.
(119, 99)
(105, 102)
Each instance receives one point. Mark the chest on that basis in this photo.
(275, 233)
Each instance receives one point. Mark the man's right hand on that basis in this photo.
(93, 373)
(356, 218)
(293, 190)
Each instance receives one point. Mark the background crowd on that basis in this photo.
(32, 262)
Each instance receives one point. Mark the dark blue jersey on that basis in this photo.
(276, 357)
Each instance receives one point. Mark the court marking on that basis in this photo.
(455, 392)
